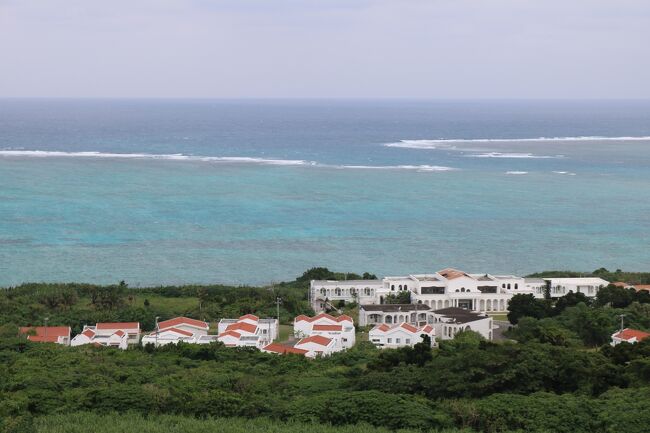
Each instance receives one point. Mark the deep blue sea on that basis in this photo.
(250, 192)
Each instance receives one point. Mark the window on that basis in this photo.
(400, 287)
(516, 286)
(432, 290)
(408, 341)
(503, 286)
(508, 286)
(337, 291)
(392, 287)
(462, 289)
(389, 340)
(405, 287)
(397, 340)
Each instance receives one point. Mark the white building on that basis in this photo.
(589, 286)
(109, 334)
(175, 330)
(248, 331)
(340, 329)
(450, 321)
(628, 335)
(47, 334)
(401, 335)
(317, 345)
(447, 288)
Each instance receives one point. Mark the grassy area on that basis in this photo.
(285, 332)
(499, 316)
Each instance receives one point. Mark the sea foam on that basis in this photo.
(215, 159)
(445, 142)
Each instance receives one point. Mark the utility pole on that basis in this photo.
(47, 319)
(278, 301)
(157, 329)
(622, 316)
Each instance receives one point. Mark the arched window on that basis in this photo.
(367, 291)
(508, 286)
(516, 286)
(456, 290)
(400, 287)
(392, 287)
(503, 286)
(405, 287)
(462, 289)
(322, 291)
(337, 291)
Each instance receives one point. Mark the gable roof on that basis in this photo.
(88, 333)
(242, 326)
(339, 319)
(176, 321)
(119, 333)
(249, 317)
(327, 327)
(174, 330)
(630, 334)
(42, 331)
(229, 334)
(405, 326)
(282, 349)
(316, 339)
(118, 325)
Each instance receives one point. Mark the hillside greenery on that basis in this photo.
(557, 374)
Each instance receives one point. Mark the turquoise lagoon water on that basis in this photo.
(251, 192)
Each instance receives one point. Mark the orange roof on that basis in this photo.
(451, 273)
(182, 321)
(88, 333)
(427, 329)
(176, 330)
(249, 317)
(327, 327)
(117, 325)
(230, 333)
(344, 317)
(639, 287)
(620, 284)
(243, 326)
(317, 339)
(42, 331)
(301, 318)
(629, 334)
(281, 348)
(119, 333)
(384, 327)
(408, 327)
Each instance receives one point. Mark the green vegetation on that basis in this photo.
(559, 376)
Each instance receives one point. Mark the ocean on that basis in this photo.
(254, 192)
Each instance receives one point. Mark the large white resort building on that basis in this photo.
(448, 288)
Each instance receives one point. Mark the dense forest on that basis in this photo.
(556, 374)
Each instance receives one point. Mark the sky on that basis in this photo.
(442, 49)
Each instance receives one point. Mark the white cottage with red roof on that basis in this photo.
(628, 335)
(247, 331)
(401, 335)
(176, 330)
(340, 329)
(113, 334)
(47, 334)
(317, 345)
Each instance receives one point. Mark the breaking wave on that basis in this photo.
(214, 159)
(512, 155)
(516, 172)
(445, 142)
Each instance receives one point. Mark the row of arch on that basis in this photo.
(346, 292)
(478, 305)
(400, 287)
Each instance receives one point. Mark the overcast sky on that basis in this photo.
(326, 48)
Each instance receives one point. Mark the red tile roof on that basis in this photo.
(327, 327)
(176, 330)
(119, 333)
(427, 329)
(250, 317)
(629, 334)
(117, 325)
(451, 273)
(230, 333)
(409, 328)
(41, 331)
(88, 333)
(639, 287)
(242, 326)
(183, 321)
(282, 349)
(338, 319)
(317, 339)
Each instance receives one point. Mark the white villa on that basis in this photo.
(447, 288)
(317, 345)
(628, 335)
(247, 331)
(176, 330)
(340, 329)
(387, 336)
(47, 334)
(450, 321)
(446, 321)
(109, 334)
